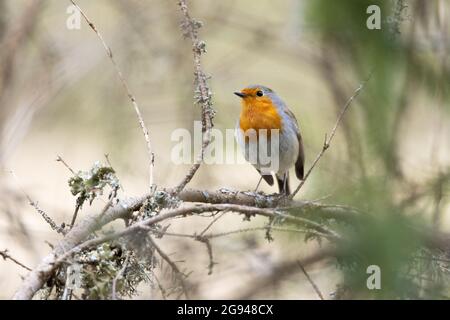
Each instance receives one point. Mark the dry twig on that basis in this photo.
(41, 212)
(280, 272)
(190, 28)
(327, 141)
(59, 159)
(5, 255)
(118, 276)
(315, 287)
(180, 275)
(108, 50)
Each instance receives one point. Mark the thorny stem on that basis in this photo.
(180, 275)
(41, 212)
(118, 276)
(313, 284)
(5, 255)
(145, 131)
(327, 141)
(203, 94)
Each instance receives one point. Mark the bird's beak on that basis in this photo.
(240, 94)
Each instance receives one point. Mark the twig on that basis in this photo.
(118, 276)
(212, 222)
(315, 287)
(35, 205)
(269, 229)
(203, 94)
(227, 233)
(161, 288)
(205, 240)
(75, 214)
(242, 230)
(327, 141)
(180, 275)
(108, 50)
(59, 159)
(107, 160)
(5, 255)
(67, 293)
(279, 272)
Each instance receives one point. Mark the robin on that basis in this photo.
(263, 111)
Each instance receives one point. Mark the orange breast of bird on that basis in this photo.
(259, 113)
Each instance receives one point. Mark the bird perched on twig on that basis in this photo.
(266, 125)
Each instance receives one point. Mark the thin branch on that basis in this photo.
(280, 272)
(327, 141)
(5, 255)
(35, 205)
(108, 50)
(237, 231)
(315, 287)
(161, 288)
(67, 293)
(212, 222)
(208, 245)
(118, 276)
(89, 224)
(180, 275)
(203, 94)
(75, 214)
(59, 159)
(197, 209)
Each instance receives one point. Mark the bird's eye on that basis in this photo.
(259, 93)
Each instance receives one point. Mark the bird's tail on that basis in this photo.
(283, 184)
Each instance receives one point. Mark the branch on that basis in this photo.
(180, 275)
(315, 287)
(279, 272)
(203, 94)
(35, 205)
(327, 142)
(60, 159)
(118, 276)
(72, 242)
(240, 202)
(191, 210)
(37, 278)
(108, 50)
(261, 200)
(237, 231)
(5, 255)
(208, 245)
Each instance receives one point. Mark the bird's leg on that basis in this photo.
(259, 182)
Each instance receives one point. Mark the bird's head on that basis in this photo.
(256, 96)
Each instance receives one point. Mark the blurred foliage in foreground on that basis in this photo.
(408, 57)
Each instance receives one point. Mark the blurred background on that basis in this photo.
(60, 96)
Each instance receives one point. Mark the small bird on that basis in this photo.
(261, 109)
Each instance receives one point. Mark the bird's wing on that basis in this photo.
(300, 163)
